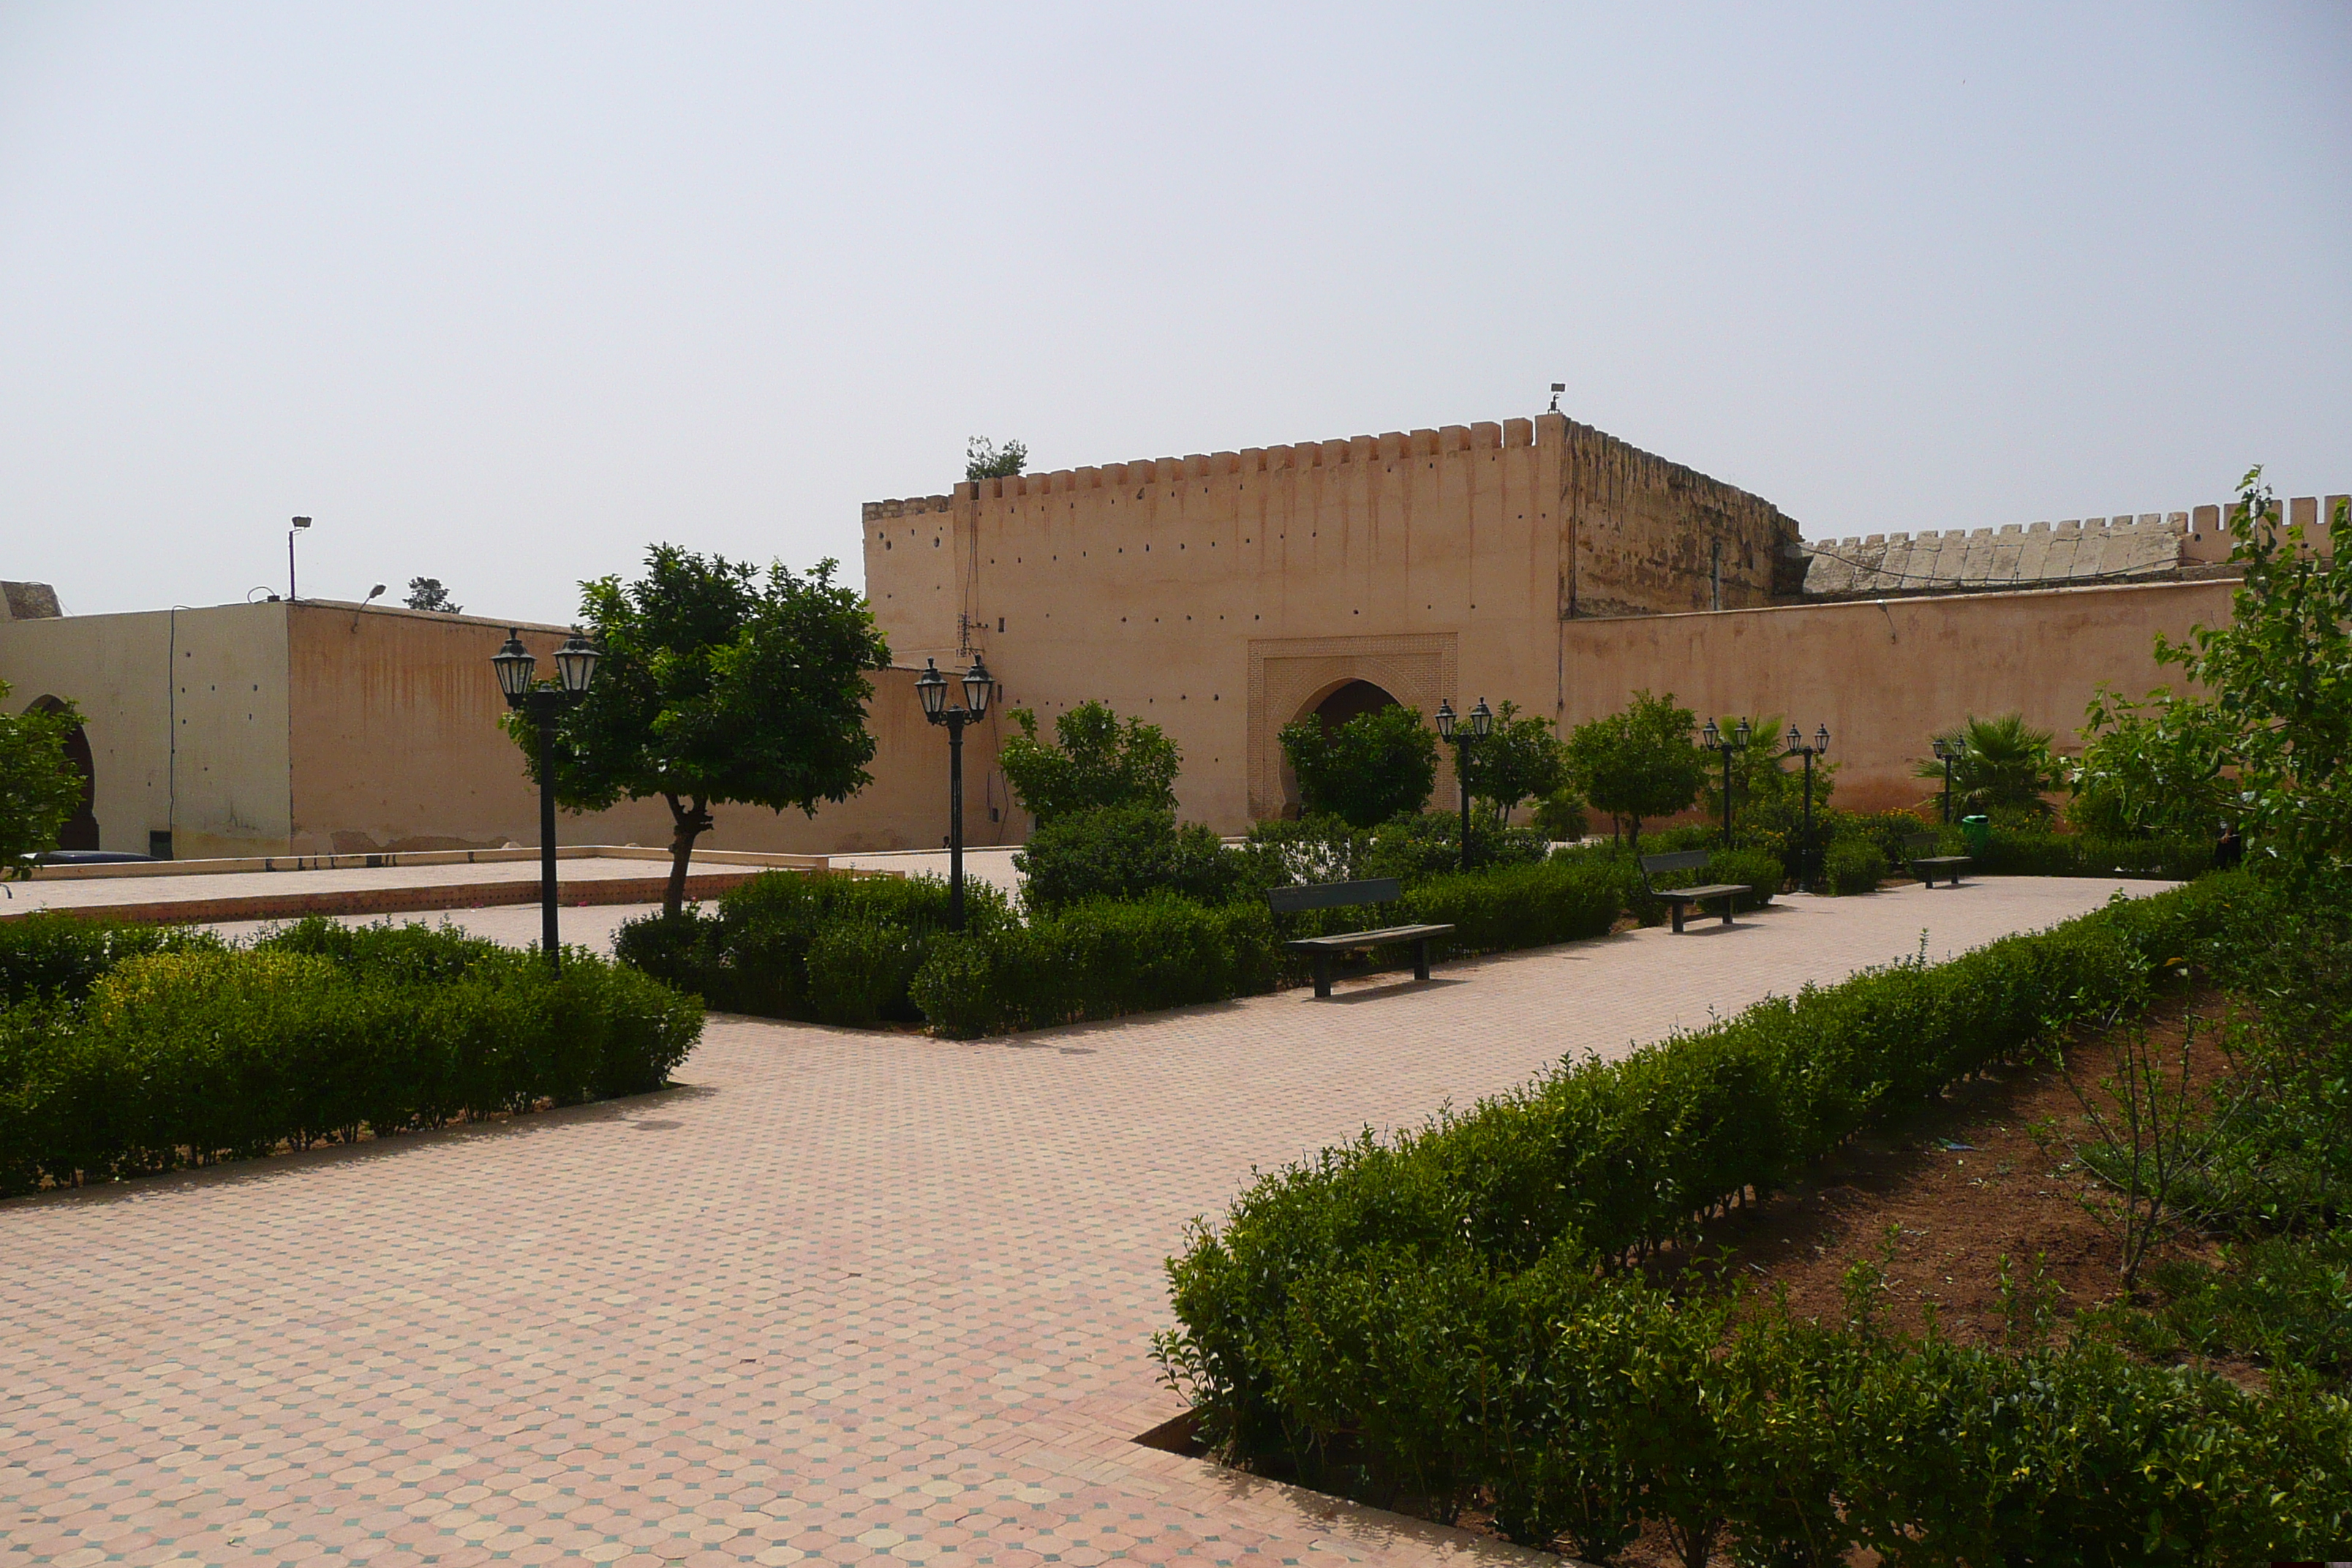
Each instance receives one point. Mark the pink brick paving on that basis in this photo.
(845, 1297)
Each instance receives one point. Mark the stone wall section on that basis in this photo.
(1652, 536)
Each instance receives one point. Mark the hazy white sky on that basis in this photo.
(501, 293)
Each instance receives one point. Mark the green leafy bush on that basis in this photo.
(1853, 865)
(1095, 960)
(1429, 844)
(187, 1054)
(1531, 904)
(1561, 815)
(753, 955)
(1613, 1159)
(1758, 869)
(63, 955)
(2032, 852)
(1376, 766)
(1092, 762)
(1124, 852)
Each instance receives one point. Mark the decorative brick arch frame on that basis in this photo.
(1289, 676)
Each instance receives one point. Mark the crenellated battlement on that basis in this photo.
(1304, 456)
(2089, 549)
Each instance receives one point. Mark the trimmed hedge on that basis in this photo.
(62, 956)
(1578, 1405)
(191, 1053)
(1095, 960)
(1610, 1159)
(1853, 865)
(2013, 853)
(828, 948)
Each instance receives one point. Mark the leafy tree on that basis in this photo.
(2005, 768)
(1375, 766)
(1639, 762)
(428, 593)
(2280, 677)
(1521, 760)
(39, 789)
(719, 686)
(2151, 767)
(1098, 761)
(984, 460)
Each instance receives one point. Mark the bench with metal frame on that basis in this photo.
(1927, 866)
(1346, 895)
(1679, 898)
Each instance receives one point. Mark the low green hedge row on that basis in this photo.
(181, 1053)
(2013, 853)
(830, 948)
(1578, 1405)
(1095, 960)
(1617, 1158)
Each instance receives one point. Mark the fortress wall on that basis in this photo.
(1883, 675)
(1178, 589)
(1651, 535)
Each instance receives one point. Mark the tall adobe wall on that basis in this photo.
(1221, 596)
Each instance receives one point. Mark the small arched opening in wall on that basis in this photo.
(1333, 706)
(80, 831)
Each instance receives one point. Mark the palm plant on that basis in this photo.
(2003, 765)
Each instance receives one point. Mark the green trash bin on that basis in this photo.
(1978, 832)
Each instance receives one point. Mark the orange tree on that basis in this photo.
(719, 685)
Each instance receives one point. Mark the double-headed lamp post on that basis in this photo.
(1715, 740)
(1800, 747)
(575, 666)
(932, 687)
(1450, 728)
(1947, 751)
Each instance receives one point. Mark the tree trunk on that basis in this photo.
(688, 823)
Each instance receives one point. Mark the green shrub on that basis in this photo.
(1429, 844)
(188, 1054)
(1617, 1158)
(2036, 852)
(1124, 852)
(1561, 815)
(1095, 960)
(63, 955)
(859, 970)
(753, 955)
(1754, 868)
(1524, 905)
(1853, 865)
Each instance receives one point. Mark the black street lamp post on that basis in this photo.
(1715, 740)
(1449, 727)
(575, 666)
(1947, 753)
(1800, 747)
(932, 687)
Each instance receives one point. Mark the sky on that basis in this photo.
(500, 294)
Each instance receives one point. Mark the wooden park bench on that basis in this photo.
(1679, 898)
(1346, 895)
(1919, 852)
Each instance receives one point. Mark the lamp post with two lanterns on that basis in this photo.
(1800, 747)
(1450, 728)
(1715, 740)
(575, 666)
(932, 687)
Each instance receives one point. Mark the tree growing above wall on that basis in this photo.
(984, 460)
(1639, 761)
(41, 789)
(1376, 766)
(719, 686)
(1093, 761)
(428, 593)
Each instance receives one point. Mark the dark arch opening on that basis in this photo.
(1352, 700)
(80, 831)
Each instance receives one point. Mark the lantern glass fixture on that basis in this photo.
(575, 661)
(1482, 719)
(514, 664)
(1740, 736)
(1710, 737)
(1445, 719)
(1822, 738)
(932, 687)
(977, 684)
(1796, 739)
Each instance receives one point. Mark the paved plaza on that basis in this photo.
(841, 1295)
